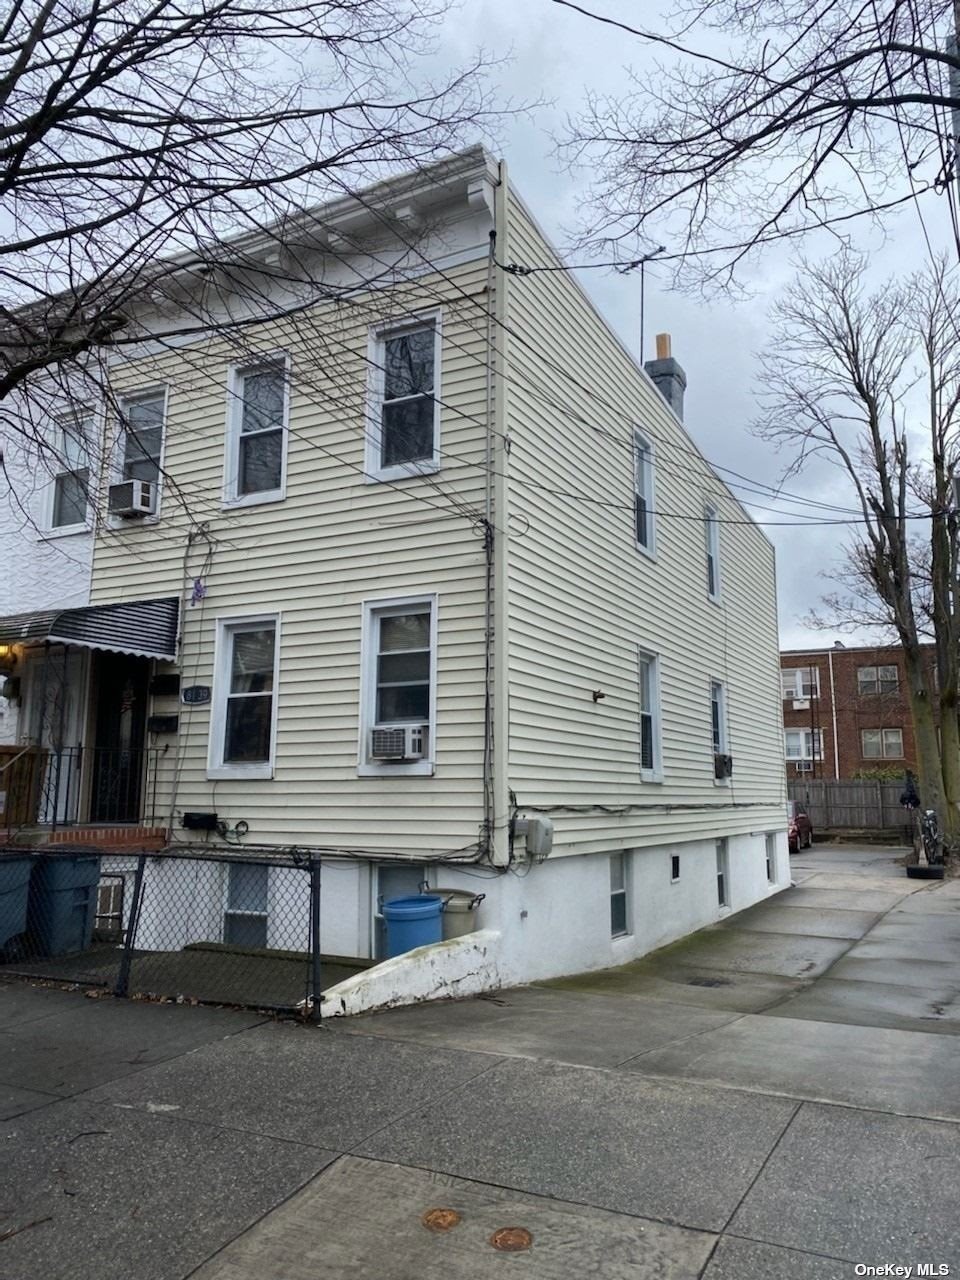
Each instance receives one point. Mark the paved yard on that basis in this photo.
(777, 1097)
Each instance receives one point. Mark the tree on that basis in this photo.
(870, 381)
(794, 115)
(133, 130)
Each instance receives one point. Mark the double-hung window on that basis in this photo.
(403, 434)
(141, 419)
(257, 432)
(649, 697)
(803, 744)
(619, 914)
(718, 729)
(70, 498)
(244, 721)
(723, 872)
(245, 917)
(875, 680)
(643, 494)
(800, 682)
(711, 524)
(398, 691)
(882, 744)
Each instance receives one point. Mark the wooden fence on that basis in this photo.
(858, 805)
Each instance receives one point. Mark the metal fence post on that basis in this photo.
(123, 977)
(315, 998)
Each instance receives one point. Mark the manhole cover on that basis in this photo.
(511, 1239)
(440, 1219)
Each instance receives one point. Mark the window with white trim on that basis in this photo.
(723, 872)
(243, 723)
(770, 850)
(649, 698)
(643, 490)
(403, 435)
(257, 432)
(875, 680)
(803, 744)
(712, 530)
(881, 744)
(141, 436)
(800, 682)
(718, 718)
(70, 491)
(398, 690)
(619, 912)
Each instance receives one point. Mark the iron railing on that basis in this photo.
(48, 787)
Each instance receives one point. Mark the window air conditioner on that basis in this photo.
(405, 742)
(804, 766)
(801, 704)
(132, 498)
(723, 766)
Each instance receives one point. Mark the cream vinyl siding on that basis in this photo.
(333, 542)
(583, 599)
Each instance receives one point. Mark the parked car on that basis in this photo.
(799, 826)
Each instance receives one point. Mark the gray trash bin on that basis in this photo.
(459, 910)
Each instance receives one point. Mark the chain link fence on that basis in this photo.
(221, 928)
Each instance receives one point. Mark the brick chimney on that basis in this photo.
(669, 378)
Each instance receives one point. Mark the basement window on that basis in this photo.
(674, 868)
(619, 924)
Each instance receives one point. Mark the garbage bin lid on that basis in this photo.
(457, 899)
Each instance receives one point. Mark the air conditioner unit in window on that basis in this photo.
(801, 704)
(405, 742)
(804, 766)
(132, 498)
(723, 766)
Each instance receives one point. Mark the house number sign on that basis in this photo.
(195, 694)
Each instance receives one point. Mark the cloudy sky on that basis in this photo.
(560, 55)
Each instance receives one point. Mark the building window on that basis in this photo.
(643, 487)
(403, 436)
(770, 841)
(718, 727)
(712, 527)
(803, 744)
(882, 744)
(649, 688)
(800, 682)
(141, 424)
(874, 680)
(398, 696)
(245, 917)
(257, 433)
(71, 476)
(243, 724)
(619, 922)
(674, 868)
(723, 873)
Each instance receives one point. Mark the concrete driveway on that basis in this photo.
(776, 1097)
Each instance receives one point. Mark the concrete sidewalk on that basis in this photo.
(776, 1097)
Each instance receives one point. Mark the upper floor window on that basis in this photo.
(872, 680)
(257, 432)
(398, 689)
(803, 744)
(70, 491)
(643, 502)
(403, 436)
(141, 420)
(243, 723)
(712, 528)
(800, 682)
(882, 744)
(649, 688)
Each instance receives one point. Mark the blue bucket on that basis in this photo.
(412, 922)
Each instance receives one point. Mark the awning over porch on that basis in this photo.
(144, 628)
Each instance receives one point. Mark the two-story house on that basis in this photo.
(407, 549)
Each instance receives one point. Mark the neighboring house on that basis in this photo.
(422, 562)
(846, 711)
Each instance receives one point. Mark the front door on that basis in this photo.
(118, 755)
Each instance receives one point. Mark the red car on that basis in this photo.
(799, 827)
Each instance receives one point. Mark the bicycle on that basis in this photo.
(930, 838)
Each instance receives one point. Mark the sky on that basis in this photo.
(560, 56)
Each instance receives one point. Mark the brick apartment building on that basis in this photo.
(845, 710)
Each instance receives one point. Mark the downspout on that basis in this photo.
(833, 715)
(498, 517)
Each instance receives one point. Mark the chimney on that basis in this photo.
(669, 378)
